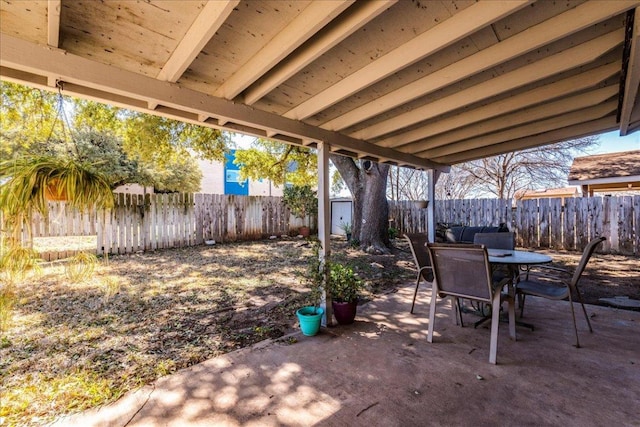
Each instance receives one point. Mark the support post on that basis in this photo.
(324, 220)
(432, 176)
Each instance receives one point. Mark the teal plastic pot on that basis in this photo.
(310, 319)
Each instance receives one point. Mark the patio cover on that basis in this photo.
(424, 84)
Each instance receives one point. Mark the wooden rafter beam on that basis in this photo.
(530, 39)
(549, 66)
(208, 21)
(31, 64)
(457, 27)
(364, 13)
(540, 126)
(539, 95)
(527, 115)
(580, 130)
(632, 81)
(53, 23)
(309, 22)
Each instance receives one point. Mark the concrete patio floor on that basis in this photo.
(381, 371)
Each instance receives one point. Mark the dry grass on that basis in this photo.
(71, 346)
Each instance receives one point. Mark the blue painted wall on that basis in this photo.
(232, 185)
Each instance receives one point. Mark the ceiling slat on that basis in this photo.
(580, 130)
(552, 109)
(632, 81)
(315, 48)
(311, 20)
(532, 38)
(209, 20)
(540, 126)
(531, 97)
(53, 23)
(549, 66)
(442, 35)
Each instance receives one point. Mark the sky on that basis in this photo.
(611, 142)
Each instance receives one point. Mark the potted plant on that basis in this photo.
(346, 227)
(302, 202)
(344, 288)
(310, 317)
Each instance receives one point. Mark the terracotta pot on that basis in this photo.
(54, 192)
(304, 231)
(345, 312)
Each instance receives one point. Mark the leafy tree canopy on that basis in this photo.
(127, 146)
(281, 163)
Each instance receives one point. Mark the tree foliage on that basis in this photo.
(278, 162)
(127, 146)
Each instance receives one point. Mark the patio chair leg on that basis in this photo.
(415, 293)
(522, 298)
(512, 318)
(584, 310)
(575, 325)
(495, 322)
(432, 311)
(458, 309)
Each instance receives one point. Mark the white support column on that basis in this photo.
(432, 176)
(324, 219)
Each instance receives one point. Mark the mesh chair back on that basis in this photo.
(462, 271)
(418, 245)
(496, 240)
(586, 255)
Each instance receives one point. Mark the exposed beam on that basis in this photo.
(457, 27)
(365, 12)
(531, 97)
(632, 81)
(34, 62)
(528, 115)
(53, 22)
(208, 21)
(306, 24)
(541, 126)
(605, 124)
(549, 66)
(532, 38)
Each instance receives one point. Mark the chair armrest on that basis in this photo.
(549, 272)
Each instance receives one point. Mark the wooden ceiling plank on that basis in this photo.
(530, 39)
(540, 126)
(539, 112)
(535, 96)
(53, 22)
(549, 66)
(605, 124)
(459, 26)
(311, 20)
(316, 47)
(17, 55)
(632, 82)
(208, 21)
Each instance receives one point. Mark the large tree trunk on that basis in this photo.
(368, 187)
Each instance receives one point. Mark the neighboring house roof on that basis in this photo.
(547, 193)
(612, 171)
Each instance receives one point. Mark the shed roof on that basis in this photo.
(418, 83)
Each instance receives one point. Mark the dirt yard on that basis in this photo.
(76, 345)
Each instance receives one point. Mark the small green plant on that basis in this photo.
(346, 227)
(80, 267)
(7, 302)
(314, 277)
(393, 232)
(344, 285)
(301, 200)
(16, 263)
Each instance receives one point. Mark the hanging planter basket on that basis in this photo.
(421, 204)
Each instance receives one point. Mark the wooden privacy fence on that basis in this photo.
(566, 224)
(156, 221)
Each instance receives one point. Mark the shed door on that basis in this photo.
(340, 213)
